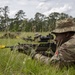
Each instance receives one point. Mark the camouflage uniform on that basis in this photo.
(65, 53)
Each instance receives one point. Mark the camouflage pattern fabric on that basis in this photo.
(65, 53)
(42, 58)
(64, 26)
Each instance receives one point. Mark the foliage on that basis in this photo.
(15, 63)
(39, 23)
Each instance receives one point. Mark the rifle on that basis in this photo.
(22, 48)
(41, 48)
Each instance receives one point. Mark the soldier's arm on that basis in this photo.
(42, 58)
(65, 54)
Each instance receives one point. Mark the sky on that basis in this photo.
(30, 7)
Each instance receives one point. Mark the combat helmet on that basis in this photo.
(65, 25)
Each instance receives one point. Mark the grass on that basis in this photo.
(15, 63)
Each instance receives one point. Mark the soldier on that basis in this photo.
(65, 41)
(37, 35)
(65, 46)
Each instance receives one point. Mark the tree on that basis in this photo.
(5, 17)
(52, 20)
(39, 19)
(1, 28)
(20, 15)
(63, 16)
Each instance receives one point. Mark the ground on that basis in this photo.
(15, 63)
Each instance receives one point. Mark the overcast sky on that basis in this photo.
(30, 7)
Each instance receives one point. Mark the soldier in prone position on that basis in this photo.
(65, 41)
(65, 45)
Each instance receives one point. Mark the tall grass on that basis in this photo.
(15, 63)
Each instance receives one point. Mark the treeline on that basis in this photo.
(40, 23)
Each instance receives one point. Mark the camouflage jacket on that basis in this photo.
(64, 53)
